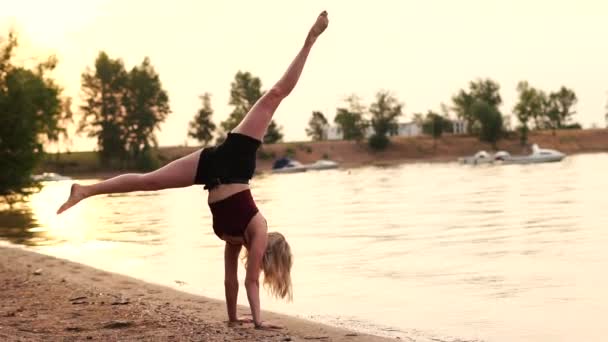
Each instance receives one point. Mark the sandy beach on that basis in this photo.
(49, 299)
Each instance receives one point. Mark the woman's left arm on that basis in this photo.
(254, 267)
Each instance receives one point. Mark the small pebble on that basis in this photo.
(38, 271)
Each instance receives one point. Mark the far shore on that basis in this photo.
(48, 299)
(350, 154)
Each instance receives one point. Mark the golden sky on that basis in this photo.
(423, 51)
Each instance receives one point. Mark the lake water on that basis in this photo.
(429, 252)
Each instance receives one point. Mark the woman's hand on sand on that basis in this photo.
(267, 326)
(239, 321)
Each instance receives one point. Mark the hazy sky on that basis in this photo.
(423, 51)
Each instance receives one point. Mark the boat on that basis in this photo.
(322, 165)
(481, 157)
(288, 165)
(49, 177)
(538, 155)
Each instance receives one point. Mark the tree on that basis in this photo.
(123, 110)
(146, 106)
(490, 119)
(531, 105)
(418, 119)
(103, 111)
(434, 125)
(245, 90)
(560, 104)
(316, 126)
(350, 119)
(384, 112)
(31, 114)
(273, 133)
(485, 90)
(201, 127)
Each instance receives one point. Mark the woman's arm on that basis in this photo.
(231, 281)
(254, 267)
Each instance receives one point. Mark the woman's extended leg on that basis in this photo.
(258, 118)
(177, 174)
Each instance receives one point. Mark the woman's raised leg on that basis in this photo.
(258, 118)
(177, 174)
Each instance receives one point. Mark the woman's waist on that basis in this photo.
(224, 191)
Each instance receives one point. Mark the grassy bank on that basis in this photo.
(350, 153)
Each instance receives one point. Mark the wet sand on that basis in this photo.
(49, 299)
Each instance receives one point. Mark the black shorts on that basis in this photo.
(232, 161)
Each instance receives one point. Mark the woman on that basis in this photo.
(225, 170)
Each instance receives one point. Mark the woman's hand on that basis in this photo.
(239, 321)
(267, 326)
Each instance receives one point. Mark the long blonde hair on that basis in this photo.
(276, 264)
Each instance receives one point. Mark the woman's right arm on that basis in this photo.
(231, 281)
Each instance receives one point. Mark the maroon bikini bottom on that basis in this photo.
(232, 215)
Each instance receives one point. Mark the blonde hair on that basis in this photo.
(276, 264)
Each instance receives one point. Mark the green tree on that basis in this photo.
(384, 114)
(560, 108)
(350, 119)
(434, 125)
(245, 90)
(146, 106)
(31, 114)
(103, 111)
(201, 127)
(531, 105)
(273, 133)
(485, 90)
(316, 126)
(491, 121)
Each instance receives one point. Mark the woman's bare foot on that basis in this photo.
(77, 194)
(319, 26)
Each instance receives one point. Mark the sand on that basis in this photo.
(49, 299)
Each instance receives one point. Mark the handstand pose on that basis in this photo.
(225, 170)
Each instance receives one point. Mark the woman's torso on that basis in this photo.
(222, 192)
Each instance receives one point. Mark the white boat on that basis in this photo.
(290, 166)
(287, 165)
(49, 177)
(322, 165)
(538, 155)
(481, 157)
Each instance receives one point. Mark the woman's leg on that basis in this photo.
(258, 118)
(177, 174)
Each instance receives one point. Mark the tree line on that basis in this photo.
(478, 107)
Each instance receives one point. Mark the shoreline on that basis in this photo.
(350, 154)
(47, 298)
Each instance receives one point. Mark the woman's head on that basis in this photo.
(276, 265)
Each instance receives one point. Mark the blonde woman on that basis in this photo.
(225, 170)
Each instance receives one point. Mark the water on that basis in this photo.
(440, 252)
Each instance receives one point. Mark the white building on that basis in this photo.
(408, 129)
(459, 127)
(332, 132)
(404, 129)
